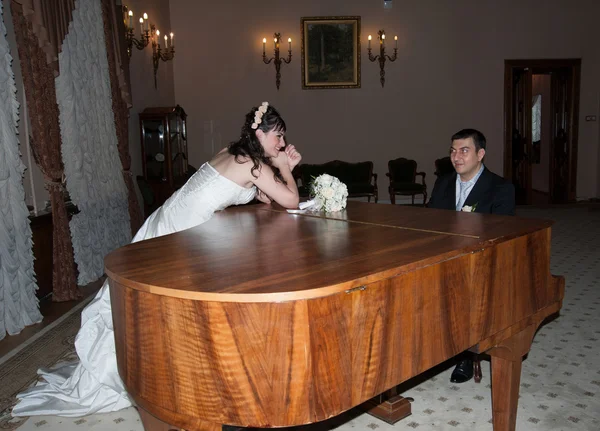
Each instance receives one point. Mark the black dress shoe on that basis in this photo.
(463, 371)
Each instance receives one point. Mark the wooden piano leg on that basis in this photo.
(389, 406)
(152, 423)
(507, 358)
(477, 368)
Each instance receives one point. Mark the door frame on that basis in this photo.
(544, 66)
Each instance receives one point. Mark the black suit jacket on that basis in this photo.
(492, 194)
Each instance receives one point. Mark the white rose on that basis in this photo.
(263, 109)
(467, 208)
(333, 206)
(254, 126)
(325, 180)
(328, 193)
(265, 104)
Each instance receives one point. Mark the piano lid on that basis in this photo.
(260, 253)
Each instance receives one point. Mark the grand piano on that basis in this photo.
(262, 318)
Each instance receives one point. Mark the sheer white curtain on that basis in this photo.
(18, 303)
(89, 150)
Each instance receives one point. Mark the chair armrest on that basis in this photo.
(422, 176)
(374, 179)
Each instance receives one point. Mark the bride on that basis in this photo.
(258, 165)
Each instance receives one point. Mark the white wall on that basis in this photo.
(449, 75)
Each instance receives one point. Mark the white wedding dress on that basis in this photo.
(93, 385)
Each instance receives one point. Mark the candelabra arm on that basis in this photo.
(267, 61)
(159, 55)
(138, 43)
(289, 59)
(371, 56)
(393, 57)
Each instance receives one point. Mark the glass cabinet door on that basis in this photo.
(164, 154)
(155, 150)
(178, 148)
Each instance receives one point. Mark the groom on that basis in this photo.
(471, 188)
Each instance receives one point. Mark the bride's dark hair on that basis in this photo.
(248, 146)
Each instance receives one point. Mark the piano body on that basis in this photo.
(261, 318)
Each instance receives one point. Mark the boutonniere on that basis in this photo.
(469, 209)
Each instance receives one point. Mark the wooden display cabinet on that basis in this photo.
(164, 154)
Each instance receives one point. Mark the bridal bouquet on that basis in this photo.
(328, 193)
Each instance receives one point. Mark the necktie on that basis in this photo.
(463, 195)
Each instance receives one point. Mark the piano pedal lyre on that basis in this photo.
(389, 406)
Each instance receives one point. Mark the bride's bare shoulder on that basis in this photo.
(236, 168)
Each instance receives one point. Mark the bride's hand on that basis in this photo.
(281, 160)
(261, 196)
(293, 156)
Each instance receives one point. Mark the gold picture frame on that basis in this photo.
(330, 52)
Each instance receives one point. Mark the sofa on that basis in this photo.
(358, 177)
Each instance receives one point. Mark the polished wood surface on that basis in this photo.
(280, 256)
(263, 318)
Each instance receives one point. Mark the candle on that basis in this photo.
(130, 19)
(158, 38)
(145, 21)
(275, 42)
(382, 40)
(369, 41)
(171, 39)
(142, 26)
(166, 42)
(396, 39)
(290, 43)
(264, 44)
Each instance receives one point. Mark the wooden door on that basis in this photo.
(563, 153)
(519, 133)
(517, 126)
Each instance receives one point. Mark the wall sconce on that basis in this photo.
(159, 53)
(276, 58)
(129, 31)
(382, 55)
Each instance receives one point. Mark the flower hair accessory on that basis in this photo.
(262, 109)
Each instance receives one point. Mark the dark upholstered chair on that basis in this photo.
(403, 174)
(358, 177)
(443, 167)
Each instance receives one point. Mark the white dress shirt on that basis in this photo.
(464, 188)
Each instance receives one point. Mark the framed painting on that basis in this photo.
(330, 52)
